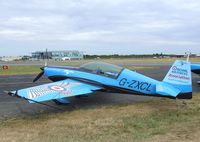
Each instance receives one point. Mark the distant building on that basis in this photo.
(57, 55)
(10, 58)
(191, 55)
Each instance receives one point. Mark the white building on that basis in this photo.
(58, 55)
(10, 58)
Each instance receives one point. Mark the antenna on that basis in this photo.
(188, 55)
(45, 64)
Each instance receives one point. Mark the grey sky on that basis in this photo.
(100, 26)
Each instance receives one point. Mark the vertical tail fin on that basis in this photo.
(179, 76)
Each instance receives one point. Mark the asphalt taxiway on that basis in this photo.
(12, 106)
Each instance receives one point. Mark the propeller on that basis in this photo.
(39, 75)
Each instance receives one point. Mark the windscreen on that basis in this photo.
(104, 69)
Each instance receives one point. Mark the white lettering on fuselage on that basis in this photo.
(134, 84)
(68, 71)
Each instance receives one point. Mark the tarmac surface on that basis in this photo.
(11, 106)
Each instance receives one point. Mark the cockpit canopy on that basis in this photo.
(104, 69)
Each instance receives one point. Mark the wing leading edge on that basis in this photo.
(56, 90)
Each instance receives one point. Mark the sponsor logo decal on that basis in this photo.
(179, 74)
(177, 70)
(179, 77)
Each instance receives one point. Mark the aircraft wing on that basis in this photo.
(55, 90)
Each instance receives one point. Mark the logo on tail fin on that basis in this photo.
(179, 73)
(179, 77)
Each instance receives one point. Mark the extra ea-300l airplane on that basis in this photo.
(196, 69)
(96, 76)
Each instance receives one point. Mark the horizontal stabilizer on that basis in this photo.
(167, 90)
(195, 68)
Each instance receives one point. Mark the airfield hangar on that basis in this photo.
(57, 55)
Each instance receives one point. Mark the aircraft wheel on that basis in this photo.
(81, 96)
(78, 97)
(60, 103)
(57, 102)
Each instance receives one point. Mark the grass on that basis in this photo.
(158, 120)
(13, 70)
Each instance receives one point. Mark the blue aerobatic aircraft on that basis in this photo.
(196, 69)
(97, 76)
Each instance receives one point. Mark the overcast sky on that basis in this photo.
(100, 26)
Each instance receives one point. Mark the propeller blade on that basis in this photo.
(39, 75)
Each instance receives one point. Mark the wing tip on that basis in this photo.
(11, 93)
